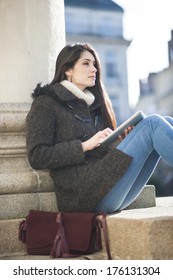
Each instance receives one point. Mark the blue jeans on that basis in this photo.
(151, 139)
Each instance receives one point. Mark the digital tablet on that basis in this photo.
(132, 121)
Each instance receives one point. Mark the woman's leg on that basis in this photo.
(144, 175)
(152, 138)
(141, 180)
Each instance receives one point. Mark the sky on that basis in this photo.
(147, 24)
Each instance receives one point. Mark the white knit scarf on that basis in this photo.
(86, 95)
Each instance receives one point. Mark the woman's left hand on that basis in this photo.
(126, 132)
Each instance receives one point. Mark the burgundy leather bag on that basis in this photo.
(63, 234)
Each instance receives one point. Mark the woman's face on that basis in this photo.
(83, 74)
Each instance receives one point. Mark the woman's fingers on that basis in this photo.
(103, 134)
(96, 140)
(126, 132)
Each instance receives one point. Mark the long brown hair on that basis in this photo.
(67, 59)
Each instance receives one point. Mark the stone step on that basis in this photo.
(18, 205)
(145, 233)
(147, 198)
(24, 181)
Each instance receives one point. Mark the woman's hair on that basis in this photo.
(67, 59)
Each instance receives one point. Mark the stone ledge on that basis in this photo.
(145, 233)
(14, 107)
(18, 205)
(146, 198)
(11, 122)
(30, 181)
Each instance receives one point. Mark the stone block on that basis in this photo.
(143, 234)
(9, 242)
(19, 205)
(147, 198)
(45, 182)
(16, 182)
(9, 161)
(48, 202)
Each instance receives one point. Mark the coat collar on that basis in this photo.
(68, 91)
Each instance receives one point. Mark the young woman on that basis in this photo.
(68, 120)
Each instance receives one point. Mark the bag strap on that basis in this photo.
(105, 235)
(22, 231)
(60, 246)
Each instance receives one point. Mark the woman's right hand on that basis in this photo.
(96, 140)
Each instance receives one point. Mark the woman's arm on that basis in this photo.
(42, 152)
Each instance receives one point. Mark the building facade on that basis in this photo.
(156, 93)
(100, 23)
(156, 96)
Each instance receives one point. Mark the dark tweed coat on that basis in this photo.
(56, 125)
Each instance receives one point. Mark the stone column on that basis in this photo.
(32, 34)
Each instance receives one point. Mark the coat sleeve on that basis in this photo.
(42, 152)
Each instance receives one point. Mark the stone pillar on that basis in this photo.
(32, 34)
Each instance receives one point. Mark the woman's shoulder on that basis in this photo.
(40, 91)
(46, 92)
(41, 102)
(42, 94)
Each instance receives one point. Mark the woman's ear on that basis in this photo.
(69, 74)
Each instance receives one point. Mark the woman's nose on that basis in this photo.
(94, 69)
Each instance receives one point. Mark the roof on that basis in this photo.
(94, 4)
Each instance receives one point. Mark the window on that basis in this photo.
(111, 71)
(111, 65)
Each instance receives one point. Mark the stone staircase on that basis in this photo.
(143, 231)
(135, 233)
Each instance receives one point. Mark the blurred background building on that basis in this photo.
(100, 23)
(156, 96)
(156, 93)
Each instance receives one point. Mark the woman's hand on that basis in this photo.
(126, 132)
(96, 140)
